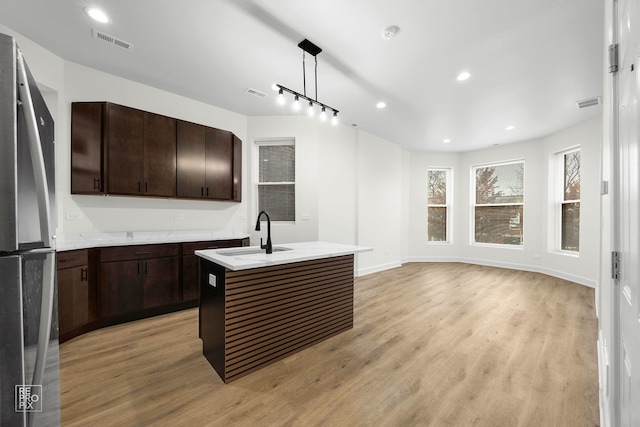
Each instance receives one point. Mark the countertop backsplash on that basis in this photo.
(71, 241)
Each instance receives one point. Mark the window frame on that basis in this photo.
(473, 205)
(559, 200)
(263, 142)
(448, 205)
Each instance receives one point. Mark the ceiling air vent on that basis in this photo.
(588, 102)
(255, 92)
(110, 39)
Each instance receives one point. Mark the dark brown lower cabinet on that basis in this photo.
(160, 282)
(133, 278)
(77, 294)
(101, 287)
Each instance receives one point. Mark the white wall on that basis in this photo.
(348, 187)
(537, 253)
(379, 203)
(583, 268)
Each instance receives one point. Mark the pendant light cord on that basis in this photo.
(304, 76)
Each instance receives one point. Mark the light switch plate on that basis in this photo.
(212, 280)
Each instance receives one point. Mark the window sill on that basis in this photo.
(570, 254)
(438, 243)
(498, 246)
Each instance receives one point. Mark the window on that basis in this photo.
(570, 201)
(276, 179)
(499, 203)
(438, 197)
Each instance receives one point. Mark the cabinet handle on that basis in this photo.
(146, 187)
(139, 189)
(202, 191)
(96, 183)
(138, 269)
(84, 275)
(145, 267)
(207, 191)
(68, 260)
(143, 253)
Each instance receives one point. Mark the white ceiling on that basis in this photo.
(530, 60)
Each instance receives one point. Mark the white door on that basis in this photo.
(628, 211)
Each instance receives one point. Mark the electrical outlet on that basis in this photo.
(178, 216)
(74, 215)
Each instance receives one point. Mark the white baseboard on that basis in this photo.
(378, 268)
(533, 268)
(603, 379)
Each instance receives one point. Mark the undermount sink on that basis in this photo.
(249, 251)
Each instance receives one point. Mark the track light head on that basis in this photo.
(281, 97)
(323, 114)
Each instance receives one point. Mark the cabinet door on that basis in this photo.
(124, 138)
(86, 148)
(190, 160)
(160, 284)
(120, 287)
(237, 169)
(190, 278)
(74, 304)
(159, 155)
(219, 169)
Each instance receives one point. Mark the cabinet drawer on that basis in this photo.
(69, 259)
(191, 247)
(138, 252)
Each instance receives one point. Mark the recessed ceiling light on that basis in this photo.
(510, 127)
(446, 141)
(96, 14)
(463, 76)
(381, 105)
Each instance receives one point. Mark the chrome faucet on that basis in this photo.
(268, 246)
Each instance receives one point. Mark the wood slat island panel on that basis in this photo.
(254, 317)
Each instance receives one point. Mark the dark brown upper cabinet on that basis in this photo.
(134, 150)
(124, 137)
(124, 151)
(159, 155)
(87, 172)
(190, 160)
(237, 169)
(205, 162)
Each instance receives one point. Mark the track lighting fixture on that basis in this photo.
(312, 49)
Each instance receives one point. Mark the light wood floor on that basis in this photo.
(433, 344)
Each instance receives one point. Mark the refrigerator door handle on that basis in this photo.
(46, 317)
(35, 148)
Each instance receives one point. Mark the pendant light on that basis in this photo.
(313, 50)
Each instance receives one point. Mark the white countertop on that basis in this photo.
(74, 241)
(243, 258)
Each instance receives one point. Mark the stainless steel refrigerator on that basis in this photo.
(29, 370)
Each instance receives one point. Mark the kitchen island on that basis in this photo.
(257, 308)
